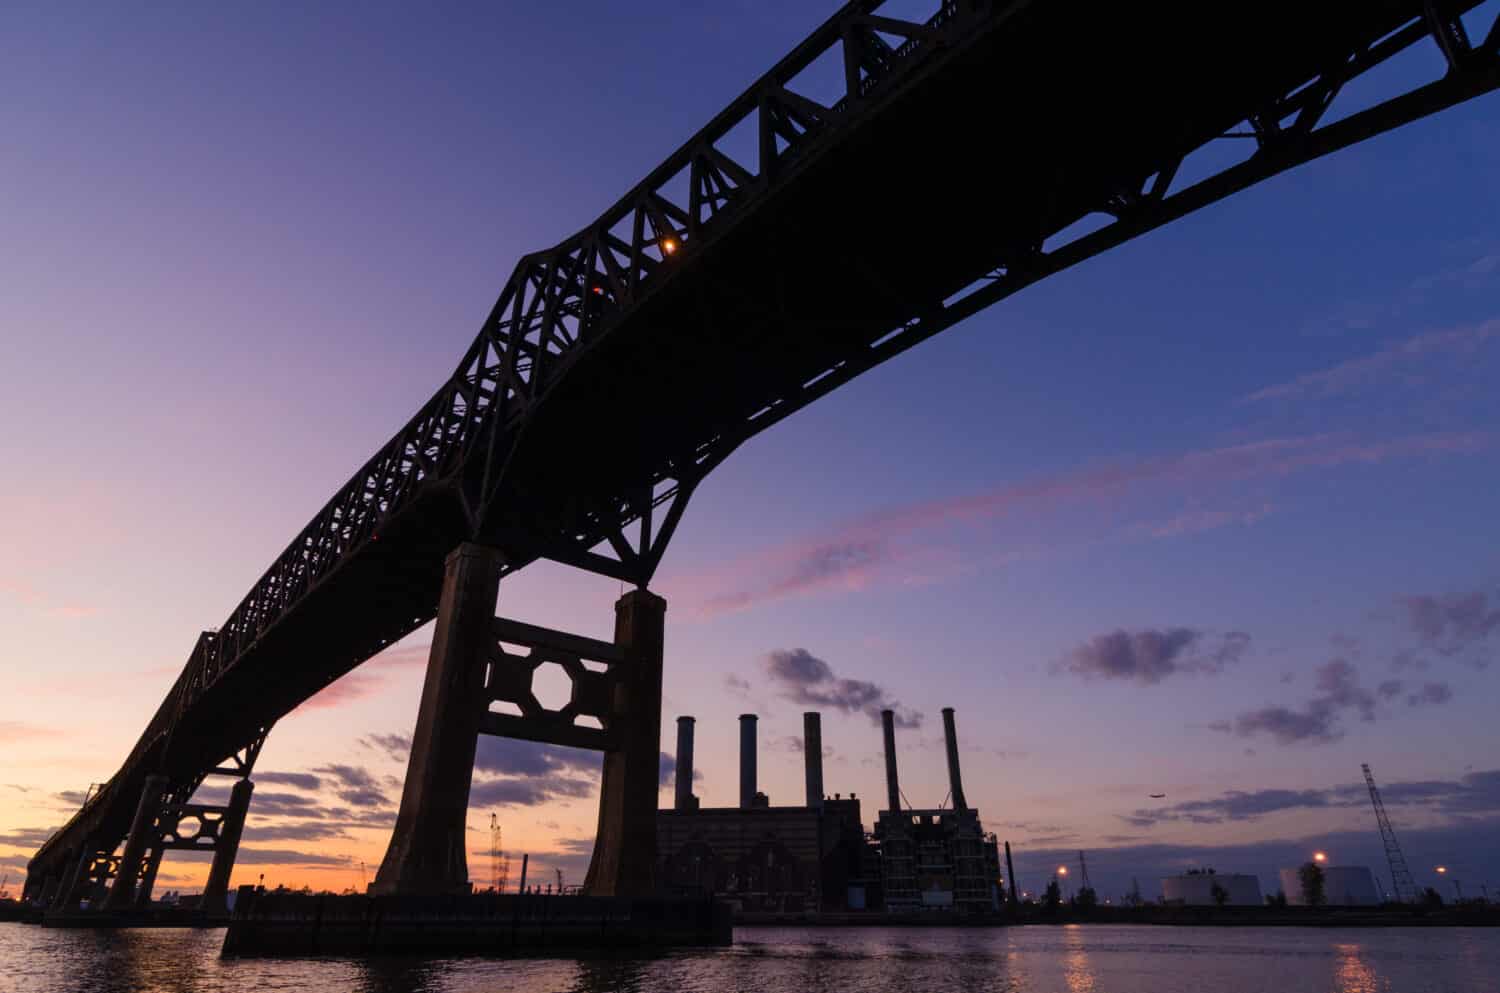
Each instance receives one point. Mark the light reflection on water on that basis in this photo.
(1077, 972)
(1087, 959)
(1354, 976)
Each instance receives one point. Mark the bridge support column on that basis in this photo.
(148, 878)
(216, 890)
(68, 893)
(42, 891)
(427, 850)
(624, 860)
(142, 835)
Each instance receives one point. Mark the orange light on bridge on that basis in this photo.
(1319, 857)
(1442, 869)
(1062, 870)
(669, 246)
(598, 291)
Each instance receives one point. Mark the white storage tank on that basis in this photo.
(1343, 886)
(1196, 889)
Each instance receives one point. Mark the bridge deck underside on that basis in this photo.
(1010, 142)
(964, 166)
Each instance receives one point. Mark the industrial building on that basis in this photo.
(1198, 889)
(1343, 886)
(817, 857)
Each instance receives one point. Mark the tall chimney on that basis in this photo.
(747, 761)
(892, 785)
(684, 799)
(955, 782)
(812, 756)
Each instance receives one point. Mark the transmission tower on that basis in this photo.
(1083, 870)
(1401, 881)
(496, 855)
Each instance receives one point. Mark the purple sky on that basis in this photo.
(1212, 515)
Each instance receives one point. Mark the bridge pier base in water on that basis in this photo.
(427, 850)
(615, 708)
(226, 846)
(624, 859)
(142, 836)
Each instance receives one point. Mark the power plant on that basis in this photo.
(816, 856)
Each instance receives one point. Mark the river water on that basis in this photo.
(1092, 959)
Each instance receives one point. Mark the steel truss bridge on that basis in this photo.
(883, 181)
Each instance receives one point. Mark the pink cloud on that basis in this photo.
(369, 680)
(21, 731)
(348, 688)
(1194, 521)
(1357, 373)
(29, 596)
(932, 540)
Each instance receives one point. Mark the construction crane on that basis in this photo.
(1083, 870)
(1401, 882)
(559, 879)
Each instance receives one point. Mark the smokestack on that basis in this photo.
(747, 761)
(892, 785)
(812, 755)
(684, 799)
(955, 782)
(1010, 873)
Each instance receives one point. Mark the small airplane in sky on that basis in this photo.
(1156, 796)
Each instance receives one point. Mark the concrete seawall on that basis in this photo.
(485, 923)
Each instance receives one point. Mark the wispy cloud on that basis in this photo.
(21, 731)
(29, 596)
(1381, 366)
(355, 785)
(1475, 793)
(346, 689)
(920, 541)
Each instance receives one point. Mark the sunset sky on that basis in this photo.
(1212, 515)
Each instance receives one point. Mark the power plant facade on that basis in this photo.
(816, 857)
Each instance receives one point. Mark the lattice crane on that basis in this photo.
(1401, 882)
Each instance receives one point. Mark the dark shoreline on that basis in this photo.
(1472, 915)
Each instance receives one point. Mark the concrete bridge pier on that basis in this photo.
(69, 891)
(468, 669)
(42, 891)
(427, 850)
(148, 877)
(216, 890)
(142, 836)
(624, 859)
